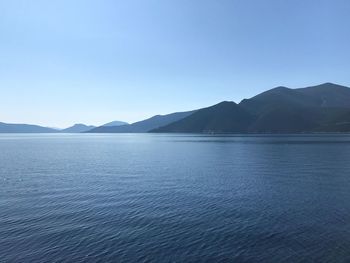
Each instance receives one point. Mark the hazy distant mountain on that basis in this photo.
(77, 128)
(24, 128)
(145, 125)
(115, 123)
(321, 108)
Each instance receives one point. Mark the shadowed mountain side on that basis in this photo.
(312, 109)
(77, 128)
(329, 95)
(321, 108)
(145, 125)
(335, 120)
(24, 128)
(277, 98)
(225, 117)
(325, 95)
(281, 120)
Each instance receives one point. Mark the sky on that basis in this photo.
(64, 62)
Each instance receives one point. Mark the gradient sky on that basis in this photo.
(81, 61)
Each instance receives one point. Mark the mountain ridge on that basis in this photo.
(321, 108)
(144, 125)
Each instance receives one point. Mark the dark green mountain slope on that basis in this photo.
(279, 97)
(312, 109)
(224, 117)
(328, 95)
(321, 108)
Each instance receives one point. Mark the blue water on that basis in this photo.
(174, 198)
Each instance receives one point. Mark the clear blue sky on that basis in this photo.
(66, 61)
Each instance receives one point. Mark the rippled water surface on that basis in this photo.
(174, 198)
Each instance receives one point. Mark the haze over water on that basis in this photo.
(146, 197)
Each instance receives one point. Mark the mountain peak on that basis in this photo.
(226, 102)
(78, 128)
(327, 85)
(115, 123)
(79, 125)
(329, 94)
(281, 88)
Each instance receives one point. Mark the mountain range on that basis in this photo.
(321, 108)
(145, 125)
(28, 128)
(79, 127)
(24, 128)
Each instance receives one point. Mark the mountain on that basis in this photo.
(322, 108)
(313, 109)
(77, 128)
(115, 123)
(276, 98)
(145, 125)
(24, 128)
(223, 117)
(329, 95)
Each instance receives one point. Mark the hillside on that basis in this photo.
(322, 108)
(143, 126)
(223, 117)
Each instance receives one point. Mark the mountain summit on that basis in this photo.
(77, 128)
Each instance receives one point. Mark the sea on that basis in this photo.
(174, 198)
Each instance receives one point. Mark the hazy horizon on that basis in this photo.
(106, 123)
(93, 62)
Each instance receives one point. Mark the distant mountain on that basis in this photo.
(77, 128)
(115, 123)
(24, 128)
(322, 108)
(145, 125)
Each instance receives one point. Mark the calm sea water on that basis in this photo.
(174, 198)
